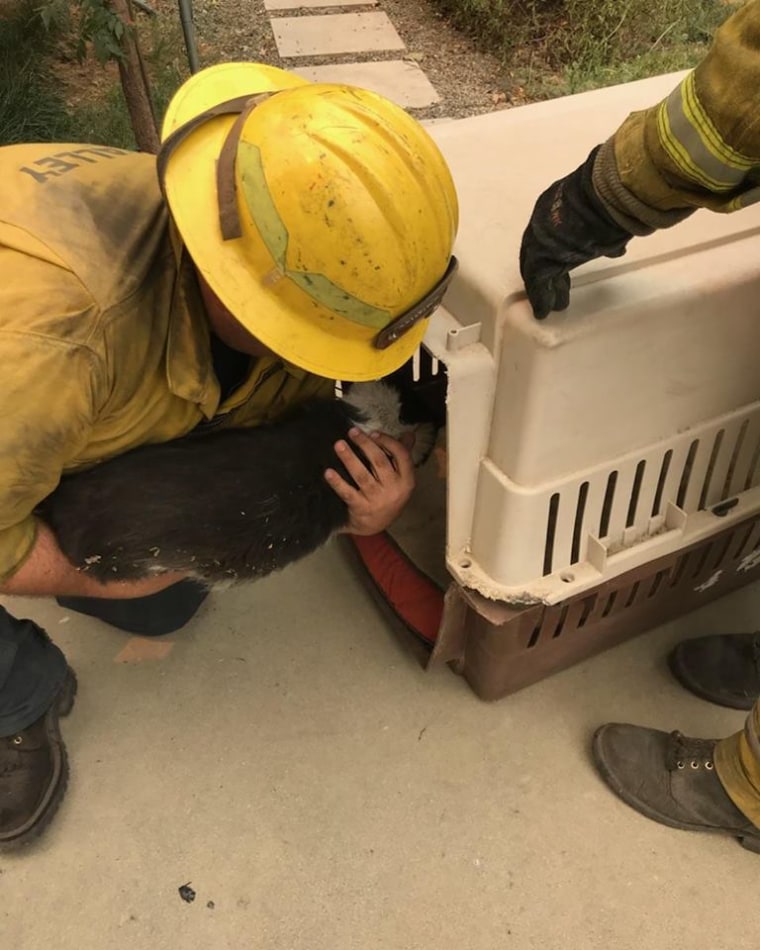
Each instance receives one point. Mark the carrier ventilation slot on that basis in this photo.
(701, 560)
(722, 552)
(561, 622)
(657, 503)
(632, 594)
(659, 577)
(534, 636)
(551, 530)
(612, 597)
(588, 605)
(677, 574)
(745, 536)
(424, 365)
(580, 510)
(635, 492)
(751, 471)
(688, 486)
(740, 437)
(749, 541)
(686, 473)
(643, 595)
(609, 497)
(711, 468)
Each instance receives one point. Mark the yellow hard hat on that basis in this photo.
(322, 216)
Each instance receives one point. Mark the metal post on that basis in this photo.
(186, 18)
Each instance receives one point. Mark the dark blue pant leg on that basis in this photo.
(152, 616)
(32, 670)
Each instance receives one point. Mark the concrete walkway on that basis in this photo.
(330, 28)
(287, 758)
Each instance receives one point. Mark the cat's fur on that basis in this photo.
(223, 506)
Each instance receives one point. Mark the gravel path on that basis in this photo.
(467, 80)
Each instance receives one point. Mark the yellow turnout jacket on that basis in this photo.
(104, 341)
(700, 147)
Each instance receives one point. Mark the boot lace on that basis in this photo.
(685, 753)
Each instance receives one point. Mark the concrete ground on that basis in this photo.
(287, 758)
(319, 791)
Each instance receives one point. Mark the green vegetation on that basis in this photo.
(106, 120)
(558, 46)
(550, 47)
(32, 100)
(31, 107)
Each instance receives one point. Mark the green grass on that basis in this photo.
(104, 122)
(107, 121)
(553, 47)
(32, 107)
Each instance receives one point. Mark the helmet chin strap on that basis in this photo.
(420, 311)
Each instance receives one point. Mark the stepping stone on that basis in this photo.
(336, 33)
(313, 4)
(403, 83)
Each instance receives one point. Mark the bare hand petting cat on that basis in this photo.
(382, 489)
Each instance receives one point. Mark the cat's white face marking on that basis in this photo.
(380, 404)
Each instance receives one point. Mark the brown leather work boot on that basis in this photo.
(722, 668)
(34, 772)
(670, 778)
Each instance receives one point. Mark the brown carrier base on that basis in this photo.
(500, 649)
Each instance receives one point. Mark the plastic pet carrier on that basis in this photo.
(599, 471)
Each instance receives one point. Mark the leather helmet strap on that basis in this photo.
(226, 185)
(419, 311)
(241, 106)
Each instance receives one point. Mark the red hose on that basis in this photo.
(412, 595)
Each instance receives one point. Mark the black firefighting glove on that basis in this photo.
(569, 226)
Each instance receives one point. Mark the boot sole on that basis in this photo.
(50, 804)
(750, 842)
(692, 686)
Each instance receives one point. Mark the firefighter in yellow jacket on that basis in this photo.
(257, 260)
(699, 148)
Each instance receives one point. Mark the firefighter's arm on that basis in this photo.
(47, 404)
(45, 572)
(700, 147)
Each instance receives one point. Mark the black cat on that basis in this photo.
(223, 506)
